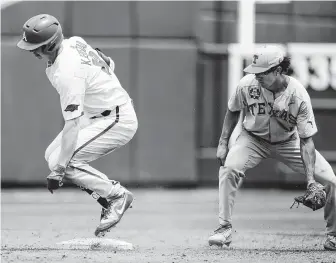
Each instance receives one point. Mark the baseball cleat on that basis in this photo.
(102, 213)
(114, 212)
(330, 243)
(222, 236)
(103, 233)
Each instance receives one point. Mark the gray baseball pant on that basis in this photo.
(248, 151)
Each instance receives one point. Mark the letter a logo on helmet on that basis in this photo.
(24, 36)
(41, 30)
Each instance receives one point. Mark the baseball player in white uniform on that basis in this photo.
(98, 113)
(279, 123)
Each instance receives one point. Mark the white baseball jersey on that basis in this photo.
(274, 120)
(85, 83)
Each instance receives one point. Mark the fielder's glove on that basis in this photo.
(55, 178)
(315, 197)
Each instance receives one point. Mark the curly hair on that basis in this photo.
(285, 65)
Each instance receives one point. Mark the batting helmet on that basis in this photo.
(41, 30)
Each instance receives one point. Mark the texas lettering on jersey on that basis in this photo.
(274, 119)
(266, 108)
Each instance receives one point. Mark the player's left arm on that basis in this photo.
(307, 128)
(307, 149)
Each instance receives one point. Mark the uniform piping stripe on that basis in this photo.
(99, 134)
(85, 171)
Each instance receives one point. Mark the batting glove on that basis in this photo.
(55, 178)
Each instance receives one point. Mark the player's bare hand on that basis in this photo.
(222, 152)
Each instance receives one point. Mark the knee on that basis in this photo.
(52, 159)
(51, 163)
(327, 178)
(136, 124)
(330, 187)
(331, 184)
(229, 173)
(53, 146)
(47, 153)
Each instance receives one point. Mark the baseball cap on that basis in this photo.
(265, 58)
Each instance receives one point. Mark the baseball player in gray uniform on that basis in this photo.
(279, 123)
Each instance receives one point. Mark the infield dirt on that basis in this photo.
(164, 226)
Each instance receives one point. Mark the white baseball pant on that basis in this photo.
(97, 137)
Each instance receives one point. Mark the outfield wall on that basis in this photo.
(158, 73)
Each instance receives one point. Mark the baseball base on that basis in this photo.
(95, 244)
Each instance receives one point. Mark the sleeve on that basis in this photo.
(236, 101)
(112, 65)
(306, 125)
(72, 91)
(107, 59)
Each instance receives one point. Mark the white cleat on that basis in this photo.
(111, 216)
(222, 236)
(330, 243)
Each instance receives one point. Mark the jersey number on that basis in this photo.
(99, 62)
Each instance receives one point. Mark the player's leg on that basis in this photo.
(53, 146)
(98, 139)
(85, 176)
(94, 141)
(114, 138)
(324, 174)
(245, 153)
(108, 192)
(84, 122)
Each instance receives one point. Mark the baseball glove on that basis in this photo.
(315, 197)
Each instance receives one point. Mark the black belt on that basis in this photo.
(106, 113)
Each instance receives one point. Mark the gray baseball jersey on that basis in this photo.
(274, 119)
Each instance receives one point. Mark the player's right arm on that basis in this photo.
(231, 119)
(230, 122)
(71, 86)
